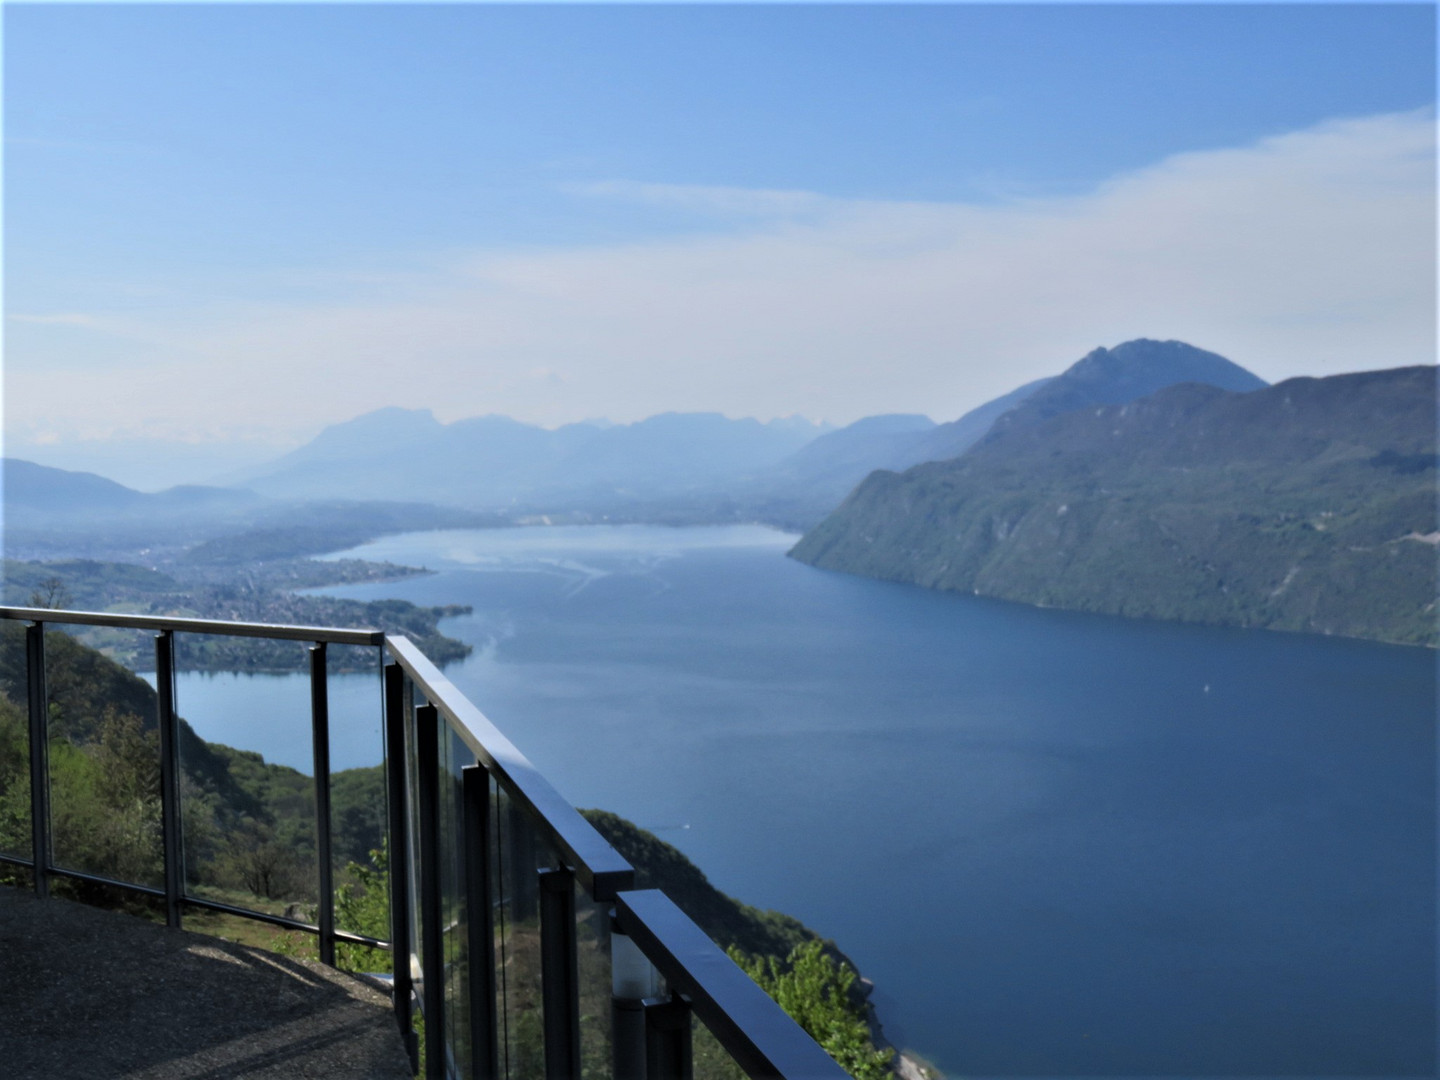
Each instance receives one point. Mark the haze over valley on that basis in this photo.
(1151, 478)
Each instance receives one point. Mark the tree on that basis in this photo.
(266, 866)
(814, 990)
(51, 593)
(362, 905)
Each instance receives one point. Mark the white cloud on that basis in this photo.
(1307, 253)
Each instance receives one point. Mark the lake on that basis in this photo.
(1059, 844)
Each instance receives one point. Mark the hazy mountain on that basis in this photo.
(407, 453)
(870, 439)
(53, 513)
(37, 492)
(953, 439)
(1127, 372)
(1310, 505)
(496, 462)
(40, 489)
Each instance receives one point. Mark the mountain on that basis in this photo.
(43, 490)
(1127, 372)
(407, 453)
(871, 438)
(830, 465)
(496, 462)
(1309, 505)
(801, 490)
(798, 491)
(953, 439)
(37, 493)
(50, 513)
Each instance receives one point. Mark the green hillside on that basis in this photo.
(1309, 506)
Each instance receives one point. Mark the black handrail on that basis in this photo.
(599, 866)
(329, 634)
(762, 1039)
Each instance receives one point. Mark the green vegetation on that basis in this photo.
(816, 990)
(1307, 506)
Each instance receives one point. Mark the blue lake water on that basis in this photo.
(1059, 844)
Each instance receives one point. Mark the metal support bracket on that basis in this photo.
(560, 979)
(39, 707)
(320, 734)
(480, 913)
(169, 727)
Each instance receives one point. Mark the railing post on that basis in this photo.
(320, 733)
(480, 913)
(520, 857)
(432, 951)
(399, 857)
(169, 774)
(668, 1053)
(559, 974)
(38, 701)
(633, 980)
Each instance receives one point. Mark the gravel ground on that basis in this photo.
(99, 994)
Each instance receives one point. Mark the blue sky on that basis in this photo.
(226, 226)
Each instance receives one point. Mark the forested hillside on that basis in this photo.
(1310, 505)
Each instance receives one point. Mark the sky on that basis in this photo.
(227, 226)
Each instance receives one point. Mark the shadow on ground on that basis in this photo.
(85, 992)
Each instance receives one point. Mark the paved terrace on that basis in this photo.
(85, 992)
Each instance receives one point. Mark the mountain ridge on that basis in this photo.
(495, 462)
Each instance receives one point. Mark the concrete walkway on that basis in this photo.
(98, 994)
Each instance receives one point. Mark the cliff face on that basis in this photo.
(1310, 505)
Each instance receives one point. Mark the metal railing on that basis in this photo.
(515, 928)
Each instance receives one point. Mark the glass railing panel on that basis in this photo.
(247, 777)
(711, 1060)
(521, 853)
(358, 803)
(413, 698)
(15, 836)
(104, 759)
(455, 942)
(592, 954)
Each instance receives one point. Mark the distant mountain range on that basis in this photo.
(38, 493)
(1309, 505)
(494, 462)
(53, 513)
(688, 466)
(681, 468)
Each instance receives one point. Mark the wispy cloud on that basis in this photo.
(1311, 252)
(60, 319)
